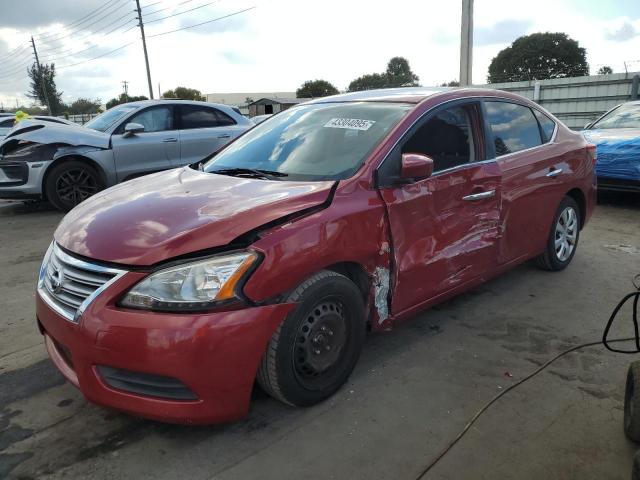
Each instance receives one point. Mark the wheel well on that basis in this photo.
(356, 273)
(68, 158)
(578, 196)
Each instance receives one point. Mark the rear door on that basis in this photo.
(155, 149)
(532, 176)
(203, 131)
(444, 228)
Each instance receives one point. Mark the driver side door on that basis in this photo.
(155, 149)
(444, 228)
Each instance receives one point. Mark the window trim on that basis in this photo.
(119, 130)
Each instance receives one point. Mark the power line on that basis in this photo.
(203, 23)
(85, 27)
(95, 58)
(166, 8)
(180, 13)
(71, 52)
(15, 51)
(74, 25)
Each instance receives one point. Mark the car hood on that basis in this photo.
(46, 132)
(157, 217)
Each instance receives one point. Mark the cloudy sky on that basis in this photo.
(275, 45)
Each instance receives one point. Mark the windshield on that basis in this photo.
(108, 118)
(625, 116)
(312, 142)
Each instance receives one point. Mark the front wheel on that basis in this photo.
(71, 182)
(314, 350)
(563, 238)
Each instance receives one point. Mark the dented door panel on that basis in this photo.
(439, 239)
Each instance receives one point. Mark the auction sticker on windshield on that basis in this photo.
(349, 123)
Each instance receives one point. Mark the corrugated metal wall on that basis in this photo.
(577, 100)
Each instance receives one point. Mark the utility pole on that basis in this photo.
(466, 43)
(42, 85)
(159, 94)
(144, 47)
(125, 85)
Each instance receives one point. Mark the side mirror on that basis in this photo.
(132, 128)
(415, 166)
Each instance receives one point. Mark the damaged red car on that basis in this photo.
(170, 295)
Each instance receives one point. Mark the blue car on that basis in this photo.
(617, 137)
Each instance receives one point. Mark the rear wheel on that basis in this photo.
(314, 350)
(563, 238)
(70, 183)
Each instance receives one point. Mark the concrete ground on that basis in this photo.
(413, 390)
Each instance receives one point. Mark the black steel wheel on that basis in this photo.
(71, 183)
(314, 350)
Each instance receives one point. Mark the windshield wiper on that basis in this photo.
(253, 172)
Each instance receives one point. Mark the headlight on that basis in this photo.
(191, 286)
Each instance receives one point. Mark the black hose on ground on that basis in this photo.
(634, 296)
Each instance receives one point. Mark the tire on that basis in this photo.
(556, 259)
(69, 183)
(314, 350)
(632, 403)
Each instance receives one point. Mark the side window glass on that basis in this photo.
(156, 119)
(194, 116)
(224, 120)
(513, 127)
(547, 125)
(447, 138)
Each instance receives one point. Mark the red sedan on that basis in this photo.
(170, 295)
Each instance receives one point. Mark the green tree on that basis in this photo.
(369, 81)
(605, 70)
(539, 56)
(83, 106)
(452, 83)
(399, 73)
(184, 93)
(122, 98)
(316, 89)
(44, 81)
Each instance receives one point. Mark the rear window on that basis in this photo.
(513, 126)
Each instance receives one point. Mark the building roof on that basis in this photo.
(280, 100)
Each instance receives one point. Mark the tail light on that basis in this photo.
(592, 153)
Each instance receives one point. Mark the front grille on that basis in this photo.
(69, 284)
(146, 384)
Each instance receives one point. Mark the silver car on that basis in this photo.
(67, 164)
(7, 122)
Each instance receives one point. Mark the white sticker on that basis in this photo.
(349, 123)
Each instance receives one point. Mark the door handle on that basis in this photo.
(554, 173)
(474, 197)
(225, 135)
(170, 140)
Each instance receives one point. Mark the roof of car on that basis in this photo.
(410, 94)
(401, 94)
(173, 101)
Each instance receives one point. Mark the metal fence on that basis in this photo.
(82, 118)
(577, 100)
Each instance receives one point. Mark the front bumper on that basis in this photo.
(216, 355)
(22, 179)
